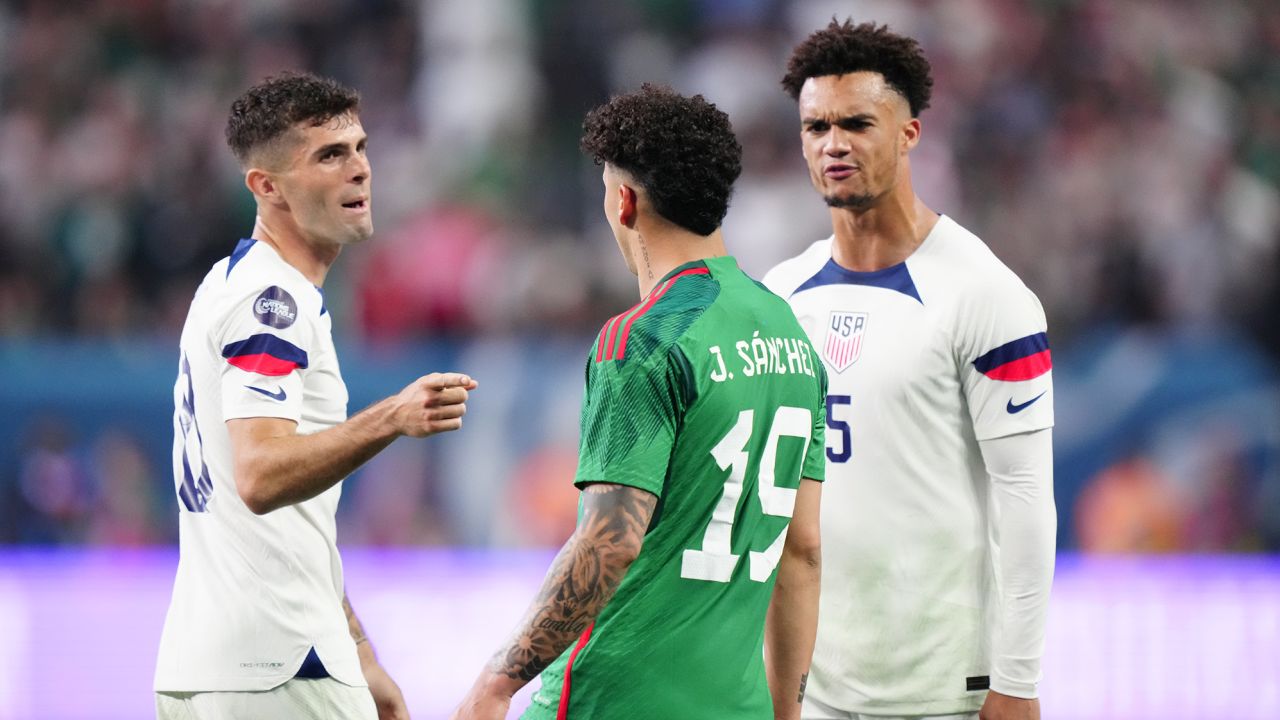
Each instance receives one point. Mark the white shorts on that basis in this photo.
(814, 710)
(322, 699)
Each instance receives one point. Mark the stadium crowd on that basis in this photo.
(1122, 157)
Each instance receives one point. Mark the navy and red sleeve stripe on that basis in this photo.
(265, 354)
(1022, 359)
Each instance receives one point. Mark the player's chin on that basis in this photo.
(849, 200)
(357, 234)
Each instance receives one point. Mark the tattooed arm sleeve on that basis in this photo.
(582, 579)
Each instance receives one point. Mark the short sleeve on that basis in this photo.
(630, 413)
(815, 458)
(263, 341)
(1005, 361)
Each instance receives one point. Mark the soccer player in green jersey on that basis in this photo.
(689, 588)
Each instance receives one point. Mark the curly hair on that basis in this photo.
(681, 150)
(846, 48)
(268, 110)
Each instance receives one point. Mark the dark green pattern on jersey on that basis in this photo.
(668, 646)
(636, 402)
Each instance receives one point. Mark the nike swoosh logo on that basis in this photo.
(279, 395)
(1010, 406)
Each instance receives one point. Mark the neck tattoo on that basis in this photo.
(648, 268)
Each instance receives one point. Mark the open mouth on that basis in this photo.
(356, 204)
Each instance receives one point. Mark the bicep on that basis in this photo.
(616, 515)
(248, 435)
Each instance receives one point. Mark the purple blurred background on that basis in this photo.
(1123, 156)
(1132, 638)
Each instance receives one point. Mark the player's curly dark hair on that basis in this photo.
(845, 48)
(268, 110)
(681, 150)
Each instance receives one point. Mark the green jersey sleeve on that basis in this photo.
(629, 417)
(815, 460)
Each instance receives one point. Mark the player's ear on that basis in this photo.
(910, 134)
(627, 202)
(262, 185)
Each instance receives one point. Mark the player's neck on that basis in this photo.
(883, 235)
(310, 259)
(658, 251)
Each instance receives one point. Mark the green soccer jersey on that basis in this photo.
(708, 395)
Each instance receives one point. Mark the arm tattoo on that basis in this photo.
(353, 622)
(582, 579)
(804, 680)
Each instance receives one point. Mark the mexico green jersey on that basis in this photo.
(708, 395)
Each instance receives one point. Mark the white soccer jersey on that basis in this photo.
(253, 593)
(924, 359)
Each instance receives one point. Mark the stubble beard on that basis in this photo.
(861, 201)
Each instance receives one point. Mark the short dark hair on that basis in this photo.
(681, 150)
(843, 48)
(268, 110)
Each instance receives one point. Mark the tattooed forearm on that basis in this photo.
(804, 680)
(582, 579)
(353, 622)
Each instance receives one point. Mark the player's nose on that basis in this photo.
(361, 170)
(837, 144)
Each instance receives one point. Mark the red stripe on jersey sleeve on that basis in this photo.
(604, 336)
(637, 312)
(263, 364)
(1027, 368)
(653, 299)
(613, 335)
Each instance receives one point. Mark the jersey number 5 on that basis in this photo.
(715, 561)
(833, 423)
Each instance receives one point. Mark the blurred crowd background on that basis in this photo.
(1123, 157)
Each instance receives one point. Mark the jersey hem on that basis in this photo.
(937, 707)
(1025, 691)
(255, 413)
(1036, 427)
(237, 685)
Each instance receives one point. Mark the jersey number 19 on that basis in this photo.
(715, 561)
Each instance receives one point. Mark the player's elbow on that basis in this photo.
(625, 552)
(254, 491)
(613, 553)
(257, 502)
(804, 546)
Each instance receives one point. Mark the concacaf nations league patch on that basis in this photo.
(275, 307)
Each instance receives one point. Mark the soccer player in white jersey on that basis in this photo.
(938, 522)
(259, 625)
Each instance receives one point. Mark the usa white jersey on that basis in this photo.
(924, 359)
(253, 594)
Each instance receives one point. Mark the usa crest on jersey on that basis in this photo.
(844, 339)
